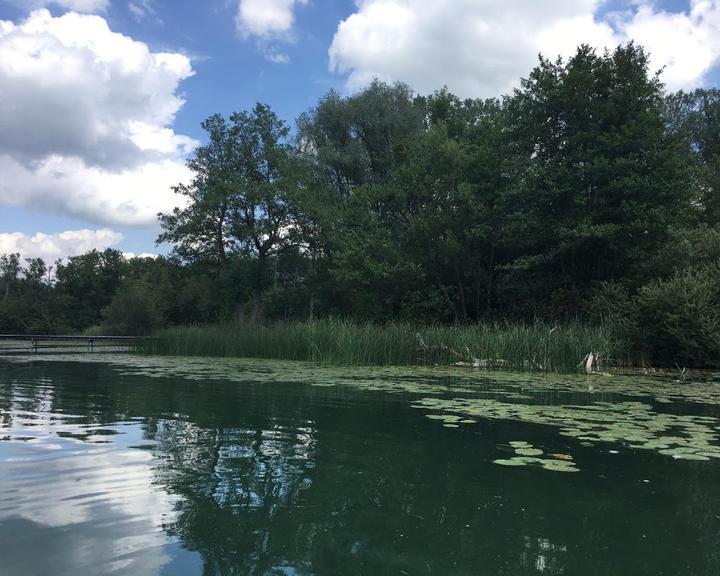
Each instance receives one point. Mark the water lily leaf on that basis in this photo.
(520, 444)
(528, 451)
(559, 466)
(509, 462)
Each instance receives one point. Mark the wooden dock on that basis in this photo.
(33, 343)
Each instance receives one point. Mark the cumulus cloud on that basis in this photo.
(130, 197)
(51, 247)
(687, 44)
(483, 47)
(86, 120)
(270, 22)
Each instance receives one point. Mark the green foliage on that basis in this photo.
(695, 117)
(678, 318)
(85, 285)
(605, 178)
(133, 311)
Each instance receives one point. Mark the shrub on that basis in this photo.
(133, 311)
(678, 319)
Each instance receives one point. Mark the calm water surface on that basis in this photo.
(119, 465)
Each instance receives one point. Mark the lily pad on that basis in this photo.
(528, 451)
(559, 466)
(509, 462)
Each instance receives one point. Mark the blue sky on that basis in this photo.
(101, 100)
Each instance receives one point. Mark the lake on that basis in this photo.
(127, 465)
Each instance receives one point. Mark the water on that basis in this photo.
(122, 465)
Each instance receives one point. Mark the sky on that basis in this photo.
(101, 100)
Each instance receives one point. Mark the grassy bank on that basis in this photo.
(525, 347)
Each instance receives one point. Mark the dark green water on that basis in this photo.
(222, 468)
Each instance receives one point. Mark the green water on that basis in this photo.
(143, 466)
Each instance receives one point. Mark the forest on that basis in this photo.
(589, 196)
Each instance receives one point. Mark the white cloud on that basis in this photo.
(86, 120)
(270, 22)
(687, 44)
(51, 247)
(130, 197)
(483, 47)
(266, 17)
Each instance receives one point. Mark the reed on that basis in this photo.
(536, 346)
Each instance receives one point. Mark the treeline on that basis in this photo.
(590, 193)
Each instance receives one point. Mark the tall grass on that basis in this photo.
(535, 346)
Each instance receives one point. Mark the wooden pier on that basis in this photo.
(33, 343)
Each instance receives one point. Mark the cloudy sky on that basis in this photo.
(101, 100)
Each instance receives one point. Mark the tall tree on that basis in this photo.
(239, 201)
(605, 179)
(356, 138)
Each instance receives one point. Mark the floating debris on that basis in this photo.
(556, 456)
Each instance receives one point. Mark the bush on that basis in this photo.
(133, 311)
(678, 319)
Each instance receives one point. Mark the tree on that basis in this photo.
(9, 272)
(239, 201)
(695, 116)
(36, 271)
(605, 179)
(356, 139)
(86, 284)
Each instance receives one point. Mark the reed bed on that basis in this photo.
(536, 346)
